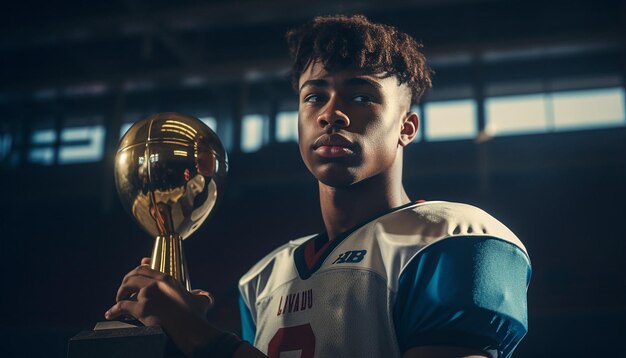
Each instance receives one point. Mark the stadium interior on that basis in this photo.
(526, 120)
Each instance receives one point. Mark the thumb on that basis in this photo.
(146, 261)
(205, 299)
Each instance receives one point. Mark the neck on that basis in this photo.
(344, 208)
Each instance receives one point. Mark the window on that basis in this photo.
(124, 128)
(254, 132)
(81, 144)
(42, 146)
(417, 109)
(555, 111)
(448, 120)
(516, 114)
(588, 109)
(5, 145)
(211, 122)
(130, 118)
(287, 126)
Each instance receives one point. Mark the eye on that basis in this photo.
(362, 99)
(313, 98)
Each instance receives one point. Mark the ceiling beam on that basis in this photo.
(199, 18)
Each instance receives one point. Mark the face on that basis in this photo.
(352, 126)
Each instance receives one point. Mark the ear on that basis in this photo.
(408, 132)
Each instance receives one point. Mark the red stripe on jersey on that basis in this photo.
(310, 255)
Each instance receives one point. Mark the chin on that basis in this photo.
(337, 176)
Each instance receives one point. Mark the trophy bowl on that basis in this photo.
(170, 170)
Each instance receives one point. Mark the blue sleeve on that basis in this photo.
(466, 291)
(248, 328)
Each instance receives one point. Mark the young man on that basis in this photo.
(388, 276)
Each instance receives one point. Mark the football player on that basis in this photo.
(388, 276)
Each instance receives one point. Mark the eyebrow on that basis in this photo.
(353, 82)
(359, 81)
(314, 83)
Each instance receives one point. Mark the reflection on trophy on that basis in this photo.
(170, 170)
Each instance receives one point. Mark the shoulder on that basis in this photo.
(473, 270)
(273, 270)
(394, 240)
(426, 223)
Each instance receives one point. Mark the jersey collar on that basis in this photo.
(311, 254)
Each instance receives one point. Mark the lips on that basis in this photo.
(332, 140)
(333, 146)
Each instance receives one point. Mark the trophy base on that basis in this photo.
(108, 340)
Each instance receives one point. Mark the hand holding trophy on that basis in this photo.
(170, 170)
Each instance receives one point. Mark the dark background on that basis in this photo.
(66, 242)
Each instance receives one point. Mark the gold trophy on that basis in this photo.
(170, 170)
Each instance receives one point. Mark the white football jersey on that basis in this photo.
(431, 273)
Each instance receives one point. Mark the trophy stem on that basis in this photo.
(168, 257)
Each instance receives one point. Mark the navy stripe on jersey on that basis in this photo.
(464, 291)
(299, 254)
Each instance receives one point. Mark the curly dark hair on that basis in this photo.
(341, 42)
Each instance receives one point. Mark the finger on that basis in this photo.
(121, 308)
(131, 286)
(146, 261)
(205, 295)
(145, 271)
(199, 292)
(205, 299)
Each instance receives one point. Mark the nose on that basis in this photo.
(332, 116)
